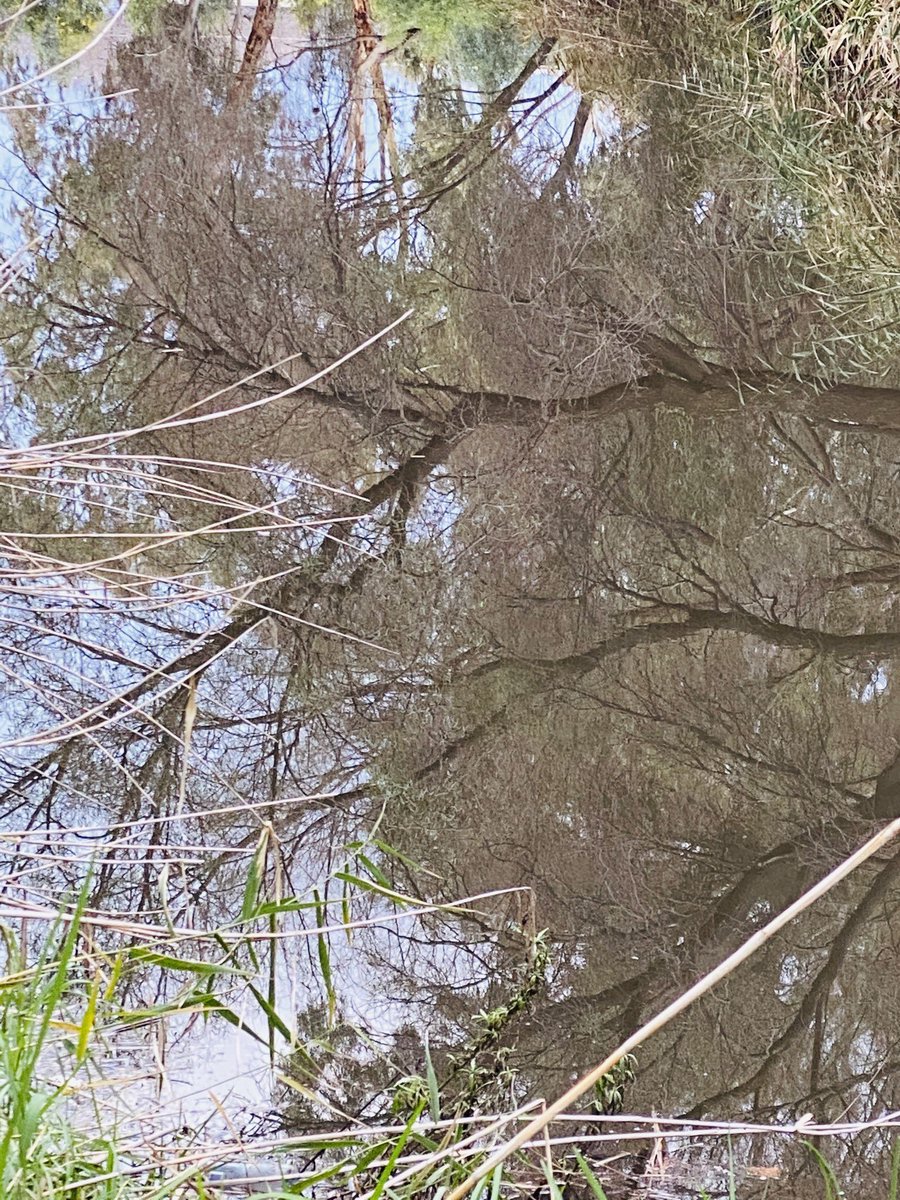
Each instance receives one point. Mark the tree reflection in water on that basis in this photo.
(583, 579)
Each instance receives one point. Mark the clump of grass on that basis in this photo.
(41, 1153)
(61, 993)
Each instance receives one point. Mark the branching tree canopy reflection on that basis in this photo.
(586, 574)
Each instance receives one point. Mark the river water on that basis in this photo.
(574, 590)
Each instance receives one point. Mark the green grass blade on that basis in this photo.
(272, 1017)
(497, 1179)
(553, 1186)
(832, 1187)
(434, 1096)
(346, 912)
(86, 1027)
(396, 1151)
(589, 1177)
(173, 963)
(324, 952)
(255, 874)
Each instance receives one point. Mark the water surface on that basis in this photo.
(578, 586)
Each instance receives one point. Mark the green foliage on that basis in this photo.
(481, 1069)
(306, 11)
(58, 27)
(478, 39)
(409, 1093)
(145, 15)
(41, 1153)
(609, 1090)
(591, 1179)
(53, 1014)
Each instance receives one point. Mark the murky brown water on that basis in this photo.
(583, 580)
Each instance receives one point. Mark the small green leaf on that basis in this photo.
(496, 1180)
(308, 1181)
(379, 889)
(832, 1187)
